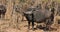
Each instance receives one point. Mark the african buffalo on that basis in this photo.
(36, 16)
(2, 10)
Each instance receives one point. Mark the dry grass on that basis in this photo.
(7, 26)
(12, 25)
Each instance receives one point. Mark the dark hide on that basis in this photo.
(39, 15)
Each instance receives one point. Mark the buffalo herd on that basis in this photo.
(35, 14)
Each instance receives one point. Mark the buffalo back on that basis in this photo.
(39, 15)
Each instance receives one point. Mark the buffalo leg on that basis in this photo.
(0, 15)
(28, 24)
(3, 15)
(48, 24)
(33, 25)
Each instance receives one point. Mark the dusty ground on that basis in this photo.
(6, 26)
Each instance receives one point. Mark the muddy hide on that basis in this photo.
(40, 15)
